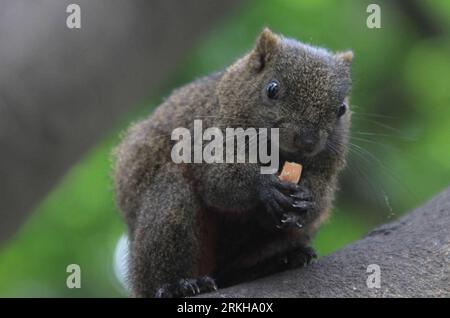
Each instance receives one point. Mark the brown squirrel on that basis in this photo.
(193, 227)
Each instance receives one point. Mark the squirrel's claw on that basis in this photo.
(279, 198)
(302, 194)
(207, 283)
(302, 205)
(187, 287)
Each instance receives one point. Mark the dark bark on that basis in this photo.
(413, 254)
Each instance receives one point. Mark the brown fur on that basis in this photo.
(190, 220)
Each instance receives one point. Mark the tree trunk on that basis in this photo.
(413, 254)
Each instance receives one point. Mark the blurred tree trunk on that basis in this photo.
(62, 89)
(427, 24)
(413, 255)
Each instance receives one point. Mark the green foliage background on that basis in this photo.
(401, 100)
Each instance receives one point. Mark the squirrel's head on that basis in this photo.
(285, 84)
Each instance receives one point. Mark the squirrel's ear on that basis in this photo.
(265, 47)
(345, 57)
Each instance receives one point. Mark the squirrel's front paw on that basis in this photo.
(303, 203)
(284, 202)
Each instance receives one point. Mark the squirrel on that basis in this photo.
(195, 227)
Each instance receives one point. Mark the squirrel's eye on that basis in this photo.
(272, 89)
(342, 109)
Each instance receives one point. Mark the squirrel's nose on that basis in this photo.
(305, 141)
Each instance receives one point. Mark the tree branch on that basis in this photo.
(413, 254)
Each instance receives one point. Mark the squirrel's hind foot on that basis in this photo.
(187, 288)
(301, 257)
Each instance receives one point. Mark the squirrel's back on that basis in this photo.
(147, 143)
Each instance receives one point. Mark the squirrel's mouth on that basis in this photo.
(299, 156)
(297, 153)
